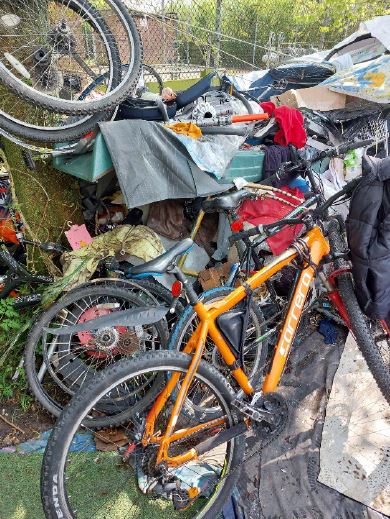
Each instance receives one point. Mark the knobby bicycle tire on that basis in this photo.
(364, 338)
(53, 472)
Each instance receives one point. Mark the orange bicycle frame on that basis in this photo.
(317, 247)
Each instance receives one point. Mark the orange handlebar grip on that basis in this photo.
(249, 117)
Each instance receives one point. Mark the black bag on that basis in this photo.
(368, 230)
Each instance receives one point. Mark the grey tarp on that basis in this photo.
(282, 482)
(152, 165)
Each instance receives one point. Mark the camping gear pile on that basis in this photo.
(161, 156)
(151, 177)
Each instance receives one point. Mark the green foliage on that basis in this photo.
(13, 328)
(311, 23)
(10, 320)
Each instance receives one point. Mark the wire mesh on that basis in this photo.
(183, 38)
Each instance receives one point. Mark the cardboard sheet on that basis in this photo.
(355, 449)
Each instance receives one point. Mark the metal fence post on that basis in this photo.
(218, 26)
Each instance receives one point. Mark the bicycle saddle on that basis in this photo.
(161, 264)
(226, 203)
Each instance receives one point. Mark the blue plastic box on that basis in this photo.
(89, 166)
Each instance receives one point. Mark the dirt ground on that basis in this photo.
(25, 424)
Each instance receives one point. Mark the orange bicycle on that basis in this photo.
(178, 449)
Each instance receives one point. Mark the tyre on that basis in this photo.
(147, 69)
(56, 367)
(375, 352)
(93, 482)
(56, 48)
(20, 117)
(255, 353)
(64, 129)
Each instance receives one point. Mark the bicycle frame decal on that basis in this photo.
(296, 309)
(317, 247)
(289, 329)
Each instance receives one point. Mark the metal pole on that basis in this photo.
(188, 39)
(164, 28)
(255, 42)
(218, 25)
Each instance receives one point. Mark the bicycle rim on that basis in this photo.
(61, 365)
(64, 44)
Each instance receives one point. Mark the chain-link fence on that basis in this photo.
(183, 38)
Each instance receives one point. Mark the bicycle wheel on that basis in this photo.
(92, 482)
(376, 351)
(255, 349)
(151, 75)
(20, 117)
(96, 84)
(54, 38)
(56, 367)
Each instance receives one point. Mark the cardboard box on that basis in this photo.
(316, 98)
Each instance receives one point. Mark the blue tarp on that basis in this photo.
(83, 442)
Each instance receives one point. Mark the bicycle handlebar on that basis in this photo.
(287, 176)
(347, 189)
(272, 228)
(282, 177)
(342, 149)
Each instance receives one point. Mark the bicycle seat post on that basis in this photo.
(188, 289)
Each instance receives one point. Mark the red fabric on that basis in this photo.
(291, 130)
(268, 107)
(268, 210)
(7, 232)
(290, 122)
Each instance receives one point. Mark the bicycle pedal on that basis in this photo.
(260, 411)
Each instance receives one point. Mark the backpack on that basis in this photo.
(368, 232)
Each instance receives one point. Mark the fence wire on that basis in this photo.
(183, 38)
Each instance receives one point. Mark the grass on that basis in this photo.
(19, 482)
(101, 477)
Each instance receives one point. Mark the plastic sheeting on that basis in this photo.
(290, 76)
(369, 81)
(370, 41)
(281, 481)
(355, 450)
(152, 164)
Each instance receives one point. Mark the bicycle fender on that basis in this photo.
(133, 317)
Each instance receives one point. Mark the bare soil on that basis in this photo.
(32, 422)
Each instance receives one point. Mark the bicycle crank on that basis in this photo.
(268, 413)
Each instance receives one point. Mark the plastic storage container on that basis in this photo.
(89, 166)
(246, 164)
